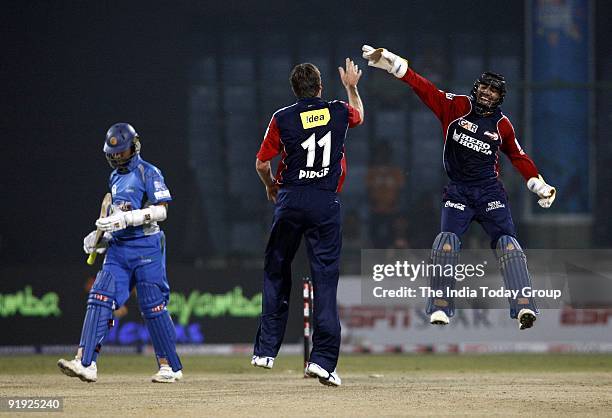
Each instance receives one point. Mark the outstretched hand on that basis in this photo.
(387, 60)
(545, 192)
(351, 75)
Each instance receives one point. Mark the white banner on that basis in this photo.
(392, 327)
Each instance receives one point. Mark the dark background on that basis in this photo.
(199, 81)
(71, 69)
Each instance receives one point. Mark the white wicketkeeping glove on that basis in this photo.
(388, 61)
(545, 192)
(88, 243)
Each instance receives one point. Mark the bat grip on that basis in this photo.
(92, 258)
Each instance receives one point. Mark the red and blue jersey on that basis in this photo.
(471, 141)
(309, 136)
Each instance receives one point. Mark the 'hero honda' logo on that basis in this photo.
(472, 143)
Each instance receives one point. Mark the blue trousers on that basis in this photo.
(486, 204)
(315, 215)
(141, 260)
(132, 261)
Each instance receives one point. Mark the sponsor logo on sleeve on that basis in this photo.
(162, 194)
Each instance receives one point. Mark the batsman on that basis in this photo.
(475, 131)
(135, 257)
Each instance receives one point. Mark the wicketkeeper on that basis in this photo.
(475, 131)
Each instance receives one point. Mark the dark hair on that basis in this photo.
(305, 80)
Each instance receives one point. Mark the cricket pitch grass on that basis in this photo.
(372, 386)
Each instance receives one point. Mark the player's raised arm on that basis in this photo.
(350, 78)
(442, 104)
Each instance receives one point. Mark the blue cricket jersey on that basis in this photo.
(139, 188)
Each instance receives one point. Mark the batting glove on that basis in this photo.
(545, 192)
(120, 220)
(89, 244)
(115, 222)
(388, 61)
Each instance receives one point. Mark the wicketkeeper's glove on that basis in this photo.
(545, 192)
(388, 61)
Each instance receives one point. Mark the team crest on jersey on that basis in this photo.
(492, 135)
(465, 124)
(449, 96)
(124, 206)
(314, 118)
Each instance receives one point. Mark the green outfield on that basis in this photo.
(373, 385)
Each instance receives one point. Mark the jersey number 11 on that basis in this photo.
(310, 145)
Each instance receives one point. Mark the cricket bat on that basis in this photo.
(106, 202)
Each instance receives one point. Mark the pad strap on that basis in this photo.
(513, 265)
(152, 303)
(445, 251)
(98, 317)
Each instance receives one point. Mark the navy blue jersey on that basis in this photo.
(471, 142)
(141, 187)
(309, 135)
(471, 146)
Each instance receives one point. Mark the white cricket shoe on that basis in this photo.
(526, 317)
(439, 318)
(325, 378)
(261, 361)
(74, 368)
(166, 375)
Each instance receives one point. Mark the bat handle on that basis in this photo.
(92, 258)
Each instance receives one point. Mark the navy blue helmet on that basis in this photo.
(494, 80)
(120, 137)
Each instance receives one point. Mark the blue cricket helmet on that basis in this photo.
(121, 137)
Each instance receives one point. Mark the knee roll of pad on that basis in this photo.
(445, 251)
(99, 315)
(513, 265)
(152, 303)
